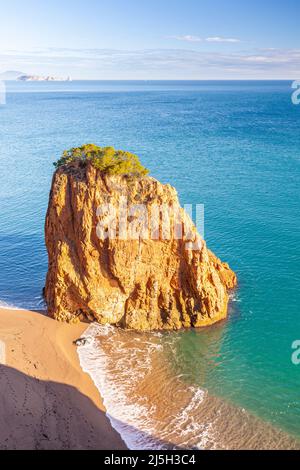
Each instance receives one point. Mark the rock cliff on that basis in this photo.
(137, 276)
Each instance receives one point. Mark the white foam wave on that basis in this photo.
(37, 304)
(8, 306)
(117, 371)
(124, 415)
(234, 297)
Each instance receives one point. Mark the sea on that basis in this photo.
(233, 146)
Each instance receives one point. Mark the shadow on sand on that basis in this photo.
(42, 415)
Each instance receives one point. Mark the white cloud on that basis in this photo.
(188, 38)
(219, 39)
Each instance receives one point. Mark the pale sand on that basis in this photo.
(46, 400)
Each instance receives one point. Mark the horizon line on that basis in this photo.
(158, 80)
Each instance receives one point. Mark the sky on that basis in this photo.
(157, 39)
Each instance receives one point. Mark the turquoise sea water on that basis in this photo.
(233, 146)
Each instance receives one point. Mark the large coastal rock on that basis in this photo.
(160, 281)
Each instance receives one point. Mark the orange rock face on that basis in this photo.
(137, 275)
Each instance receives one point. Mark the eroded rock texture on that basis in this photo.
(142, 284)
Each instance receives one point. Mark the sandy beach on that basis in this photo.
(47, 401)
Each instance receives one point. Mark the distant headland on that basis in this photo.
(13, 75)
(39, 78)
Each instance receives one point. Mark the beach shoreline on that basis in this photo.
(48, 402)
(134, 372)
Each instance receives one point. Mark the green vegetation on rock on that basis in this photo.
(107, 160)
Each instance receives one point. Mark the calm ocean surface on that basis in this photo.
(233, 146)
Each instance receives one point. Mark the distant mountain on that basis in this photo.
(10, 75)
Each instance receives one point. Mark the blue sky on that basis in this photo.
(157, 39)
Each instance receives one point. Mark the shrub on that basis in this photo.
(107, 160)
